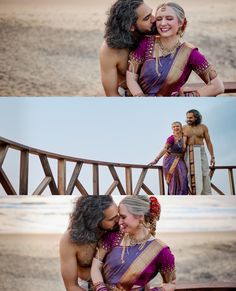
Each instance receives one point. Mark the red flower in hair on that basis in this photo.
(155, 207)
(184, 24)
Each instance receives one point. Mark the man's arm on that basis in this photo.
(108, 70)
(209, 145)
(68, 261)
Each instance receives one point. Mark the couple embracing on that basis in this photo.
(109, 248)
(144, 55)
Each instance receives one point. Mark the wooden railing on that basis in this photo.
(61, 188)
(230, 87)
(218, 286)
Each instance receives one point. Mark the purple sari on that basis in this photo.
(175, 169)
(174, 71)
(140, 265)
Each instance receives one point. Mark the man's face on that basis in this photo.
(191, 119)
(145, 19)
(111, 217)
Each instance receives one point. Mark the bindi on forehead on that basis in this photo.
(163, 8)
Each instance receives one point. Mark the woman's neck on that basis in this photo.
(178, 135)
(140, 233)
(169, 42)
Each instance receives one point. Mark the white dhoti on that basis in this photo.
(198, 170)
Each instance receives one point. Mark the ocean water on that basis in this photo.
(179, 214)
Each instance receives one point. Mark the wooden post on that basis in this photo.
(140, 181)
(62, 176)
(231, 181)
(95, 180)
(161, 181)
(24, 172)
(128, 178)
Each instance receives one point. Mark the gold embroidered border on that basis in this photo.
(171, 170)
(141, 263)
(177, 68)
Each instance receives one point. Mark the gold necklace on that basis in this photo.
(171, 51)
(133, 241)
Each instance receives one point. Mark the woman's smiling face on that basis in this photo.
(167, 21)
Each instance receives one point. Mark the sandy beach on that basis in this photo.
(50, 48)
(30, 262)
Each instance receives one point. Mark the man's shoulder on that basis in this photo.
(106, 50)
(66, 241)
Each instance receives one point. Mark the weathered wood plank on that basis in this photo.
(213, 286)
(95, 180)
(81, 188)
(112, 188)
(48, 173)
(62, 176)
(147, 190)
(3, 152)
(6, 184)
(24, 173)
(230, 87)
(231, 182)
(128, 178)
(41, 187)
(140, 181)
(161, 181)
(116, 178)
(74, 177)
(217, 189)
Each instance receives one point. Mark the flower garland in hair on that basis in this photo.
(155, 208)
(184, 25)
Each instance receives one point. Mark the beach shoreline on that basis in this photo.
(30, 262)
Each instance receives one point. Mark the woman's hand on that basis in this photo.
(153, 162)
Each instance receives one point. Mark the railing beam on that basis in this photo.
(48, 173)
(6, 183)
(231, 181)
(112, 188)
(140, 181)
(24, 172)
(61, 176)
(116, 178)
(95, 180)
(161, 181)
(128, 178)
(3, 152)
(41, 187)
(74, 177)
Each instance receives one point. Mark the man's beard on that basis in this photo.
(140, 33)
(189, 122)
(115, 228)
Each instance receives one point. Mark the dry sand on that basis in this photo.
(50, 47)
(30, 262)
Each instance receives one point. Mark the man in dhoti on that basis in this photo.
(196, 157)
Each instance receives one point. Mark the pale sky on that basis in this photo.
(127, 130)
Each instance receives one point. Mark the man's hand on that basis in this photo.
(212, 162)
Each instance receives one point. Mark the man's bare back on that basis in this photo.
(113, 66)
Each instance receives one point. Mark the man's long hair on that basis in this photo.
(197, 115)
(121, 17)
(85, 220)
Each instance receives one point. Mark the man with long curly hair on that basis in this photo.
(92, 217)
(197, 161)
(128, 21)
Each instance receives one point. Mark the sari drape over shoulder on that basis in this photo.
(174, 71)
(175, 169)
(140, 265)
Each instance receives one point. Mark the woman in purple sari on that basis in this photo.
(174, 167)
(130, 258)
(162, 64)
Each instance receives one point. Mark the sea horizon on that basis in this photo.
(50, 214)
